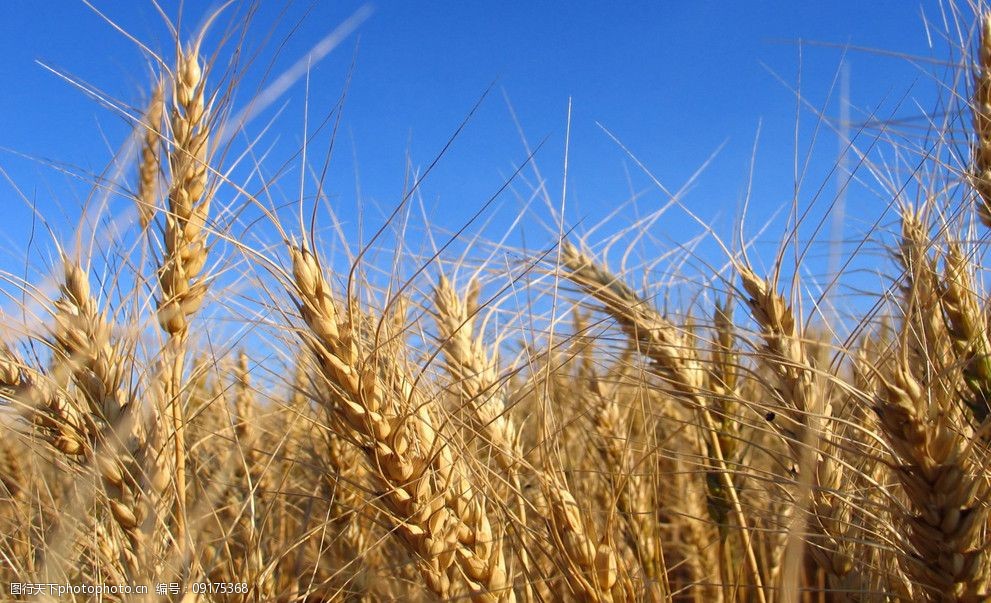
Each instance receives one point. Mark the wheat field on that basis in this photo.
(301, 416)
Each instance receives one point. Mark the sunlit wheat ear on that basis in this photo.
(945, 487)
(673, 358)
(981, 108)
(810, 428)
(183, 287)
(42, 399)
(633, 495)
(634, 499)
(86, 344)
(784, 351)
(476, 377)
(966, 323)
(86, 348)
(593, 572)
(928, 341)
(147, 197)
(245, 409)
(188, 201)
(724, 377)
(60, 419)
(475, 374)
(419, 476)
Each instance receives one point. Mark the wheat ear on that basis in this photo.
(929, 344)
(476, 377)
(12, 474)
(86, 345)
(981, 108)
(672, 358)
(809, 425)
(182, 286)
(420, 480)
(967, 327)
(947, 554)
(593, 568)
(150, 164)
(634, 496)
(475, 374)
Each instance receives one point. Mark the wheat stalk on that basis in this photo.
(182, 287)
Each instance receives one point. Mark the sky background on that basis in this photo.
(679, 84)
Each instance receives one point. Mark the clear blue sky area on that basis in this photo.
(674, 81)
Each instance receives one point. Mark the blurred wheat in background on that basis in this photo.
(301, 415)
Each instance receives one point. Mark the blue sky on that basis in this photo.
(673, 81)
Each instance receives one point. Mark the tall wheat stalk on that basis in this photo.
(179, 276)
